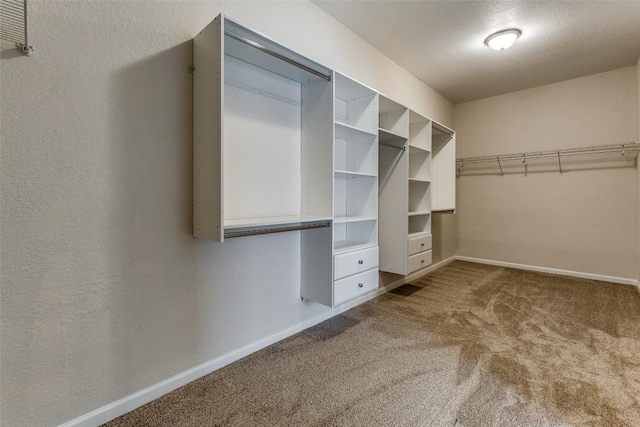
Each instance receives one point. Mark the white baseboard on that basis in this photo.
(129, 403)
(411, 277)
(603, 278)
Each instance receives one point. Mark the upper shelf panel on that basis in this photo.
(259, 50)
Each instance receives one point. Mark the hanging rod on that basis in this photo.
(259, 231)
(277, 55)
(622, 149)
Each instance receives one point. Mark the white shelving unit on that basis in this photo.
(420, 138)
(355, 165)
(405, 194)
(263, 159)
(282, 143)
(355, 224)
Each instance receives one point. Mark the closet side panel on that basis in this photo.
(208, 97)
(444, 176)
(316, 196)
(392, 215)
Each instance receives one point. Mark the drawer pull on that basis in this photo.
(422, 245)
(360, 285)
(421, 261)
(360, 261)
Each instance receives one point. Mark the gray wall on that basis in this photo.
(104, 291)
(581, 221)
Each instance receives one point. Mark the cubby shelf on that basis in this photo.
(346, 131)
(416, 150)
(418, 234)
(391, 138)
(351, 174)
(419, 180)
(347, 219)
(342, 246)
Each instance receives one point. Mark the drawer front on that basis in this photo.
(418, 261)
(355, 262)
(354, 286)
(419, 244)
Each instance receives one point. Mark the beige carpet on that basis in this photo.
(468, 345)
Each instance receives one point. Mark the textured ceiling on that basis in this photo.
(442, 42)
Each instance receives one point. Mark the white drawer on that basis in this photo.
(419, 244)
(351, 263)
(353, 286)
(420, 260)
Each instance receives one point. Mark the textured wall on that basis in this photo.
(104, 291)
(580, 220)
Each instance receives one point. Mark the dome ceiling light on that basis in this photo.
(503, 39)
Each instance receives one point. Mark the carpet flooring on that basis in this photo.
(467, 345)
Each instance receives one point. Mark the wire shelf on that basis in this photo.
(614, 155)
(13, 24)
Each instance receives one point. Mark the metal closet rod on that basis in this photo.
(597, 149)
(259, 231)
(277, 55)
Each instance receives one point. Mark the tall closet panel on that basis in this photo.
(444, 169)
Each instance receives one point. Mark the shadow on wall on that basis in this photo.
(180, 301)
(9, 52)
(151, 212)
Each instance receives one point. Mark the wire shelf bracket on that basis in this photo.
(624, 151)
(13, 24)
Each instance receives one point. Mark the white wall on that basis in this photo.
(104, 291)
(580, 220)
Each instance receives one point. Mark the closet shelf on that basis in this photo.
(391, 138)
(345, 131)
(417, 150)
(351, 174)
(345, 219)
(417, 180)
(342, 246)
(553, 158)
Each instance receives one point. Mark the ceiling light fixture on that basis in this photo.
(503, 39)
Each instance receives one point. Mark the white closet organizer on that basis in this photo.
(262, 136)
(355, 224)
(406, 190)
(263, 154)
(282, 143)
